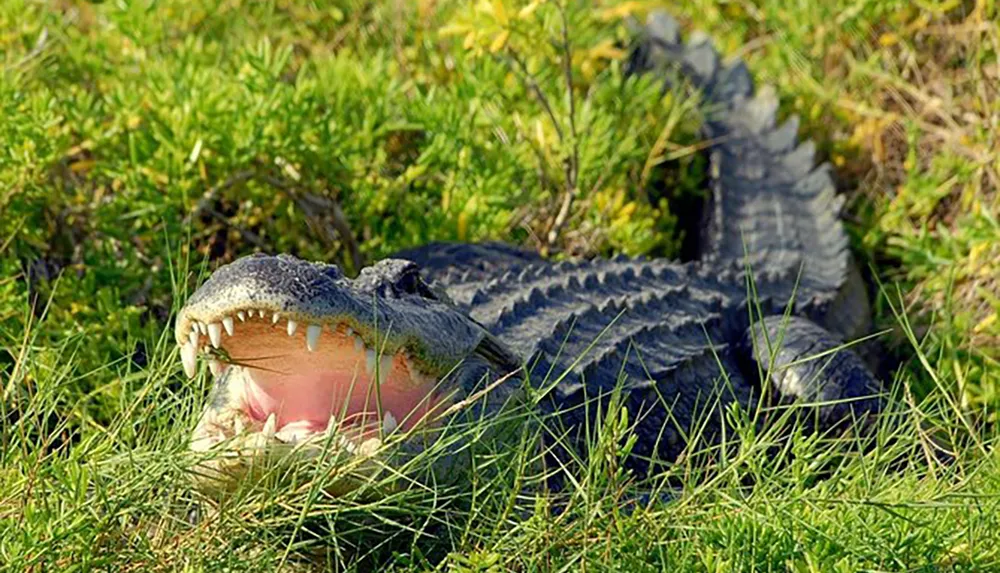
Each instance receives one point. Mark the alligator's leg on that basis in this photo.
(806, 364)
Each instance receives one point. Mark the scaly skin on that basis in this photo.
(678, 339)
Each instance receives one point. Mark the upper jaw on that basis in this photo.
(314, 296)
(194, 335)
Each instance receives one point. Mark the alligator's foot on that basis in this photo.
(809, 367)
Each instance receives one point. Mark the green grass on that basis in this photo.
(118, 495)
(143, 143)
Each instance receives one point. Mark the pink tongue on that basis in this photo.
(312, 399)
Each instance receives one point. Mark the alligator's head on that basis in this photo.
(306, 360)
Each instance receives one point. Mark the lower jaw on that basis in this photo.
(245, 438)
(338, 467)
(225, 460)
(232, 441)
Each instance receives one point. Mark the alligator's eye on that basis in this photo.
(412, 283)
(395, 277)
(332, 271)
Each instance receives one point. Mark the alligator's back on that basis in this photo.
(677, 337)
(770, 207)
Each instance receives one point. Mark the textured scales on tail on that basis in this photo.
(771, 206)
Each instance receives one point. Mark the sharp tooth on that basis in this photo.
(215, 366)
(369, 361)
(275, 318)
(294, 432)
(202, 328)
(388, 423)
(369, 446)
(286, 437)
(347, 444)
(312, 336)
(242, 316)
(189, 359)
(227, 323)
(269, 426)
(384, 367)
(358, 344)
(193, 338)
(292, 325)
(252, 443)
(238, 425)
(215, 334)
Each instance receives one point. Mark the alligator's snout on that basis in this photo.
(301, 353)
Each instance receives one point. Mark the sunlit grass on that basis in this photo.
(121, 493)
(136, 137)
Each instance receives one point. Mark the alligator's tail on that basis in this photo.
(770, 206)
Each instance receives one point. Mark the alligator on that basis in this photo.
(308, 360)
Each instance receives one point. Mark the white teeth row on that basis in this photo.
(295, 432)
(213, 330)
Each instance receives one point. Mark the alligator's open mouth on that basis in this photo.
(295, 383)
(309, 362)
